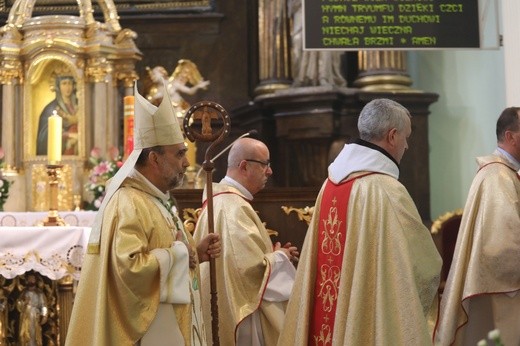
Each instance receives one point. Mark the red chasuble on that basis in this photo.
(331, 239)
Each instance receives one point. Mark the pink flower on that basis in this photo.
(113, 153)
(102, 168)
(95, 153)
(119, 164)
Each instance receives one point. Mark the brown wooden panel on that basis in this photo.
(268, 203)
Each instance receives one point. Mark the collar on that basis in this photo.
(360, 157)
(375, 147)
(151, 188)
(510, 158)
(230, 181)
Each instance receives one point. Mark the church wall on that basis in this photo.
(462, 122)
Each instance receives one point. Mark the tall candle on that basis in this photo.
(128, 138)
(54, 133)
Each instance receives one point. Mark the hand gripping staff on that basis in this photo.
(209, 113)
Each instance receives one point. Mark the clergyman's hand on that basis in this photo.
(290, 251)
(209, 247)
(193, 259)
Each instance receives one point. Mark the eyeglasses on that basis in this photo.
(267, 163)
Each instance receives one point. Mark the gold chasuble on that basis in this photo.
(118, 296)
(243, 269)
(369, 270)
(483, 287)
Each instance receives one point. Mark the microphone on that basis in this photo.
(250, 133)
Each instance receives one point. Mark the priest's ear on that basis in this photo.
(391, 137)
(242, 165)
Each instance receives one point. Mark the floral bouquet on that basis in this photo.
(493, 336)
(4, 183)
(101, 171)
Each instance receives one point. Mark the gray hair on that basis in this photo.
(380, 115)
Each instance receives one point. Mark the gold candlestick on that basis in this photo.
(53, 219)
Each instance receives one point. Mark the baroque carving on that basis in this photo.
(304, 214)
(98, 57)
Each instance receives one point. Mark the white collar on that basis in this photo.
(238, 186)
(358, 158)
(509, 158)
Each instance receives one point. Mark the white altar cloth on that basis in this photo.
(71, 218)
(52, 251)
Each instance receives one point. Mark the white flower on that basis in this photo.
(494, 334)
(1, 182)
(97, 203)
(482, 342)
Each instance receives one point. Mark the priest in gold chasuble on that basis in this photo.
(482, 292)
(369, 270)
(140, 282)
(254, 280)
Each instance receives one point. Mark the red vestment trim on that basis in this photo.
(223, 193)
(332, 233)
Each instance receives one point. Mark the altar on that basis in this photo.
(51, 258)
(24, 219)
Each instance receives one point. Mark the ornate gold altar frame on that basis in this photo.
(101, 59)
(122, 6)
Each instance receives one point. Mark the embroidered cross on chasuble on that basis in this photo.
(331, 243)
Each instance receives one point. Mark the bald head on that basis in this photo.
(249, 164)
(243, 149)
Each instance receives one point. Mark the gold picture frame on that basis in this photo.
(50, 82)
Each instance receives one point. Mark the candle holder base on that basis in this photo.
(53, 219)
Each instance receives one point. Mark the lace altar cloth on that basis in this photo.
(72, 218)
(52, 251)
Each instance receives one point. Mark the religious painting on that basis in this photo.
(45, 7)
(54, 89)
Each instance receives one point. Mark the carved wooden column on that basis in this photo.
(65, 300)
(382, 70)
(8, 124)
(128, 83)
(273, 50)
(99, 72)
(10, 75)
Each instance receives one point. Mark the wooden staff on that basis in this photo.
(208, 113)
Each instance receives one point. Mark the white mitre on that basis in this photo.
(153, 126)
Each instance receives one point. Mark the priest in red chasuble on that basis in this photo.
(369, 270)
